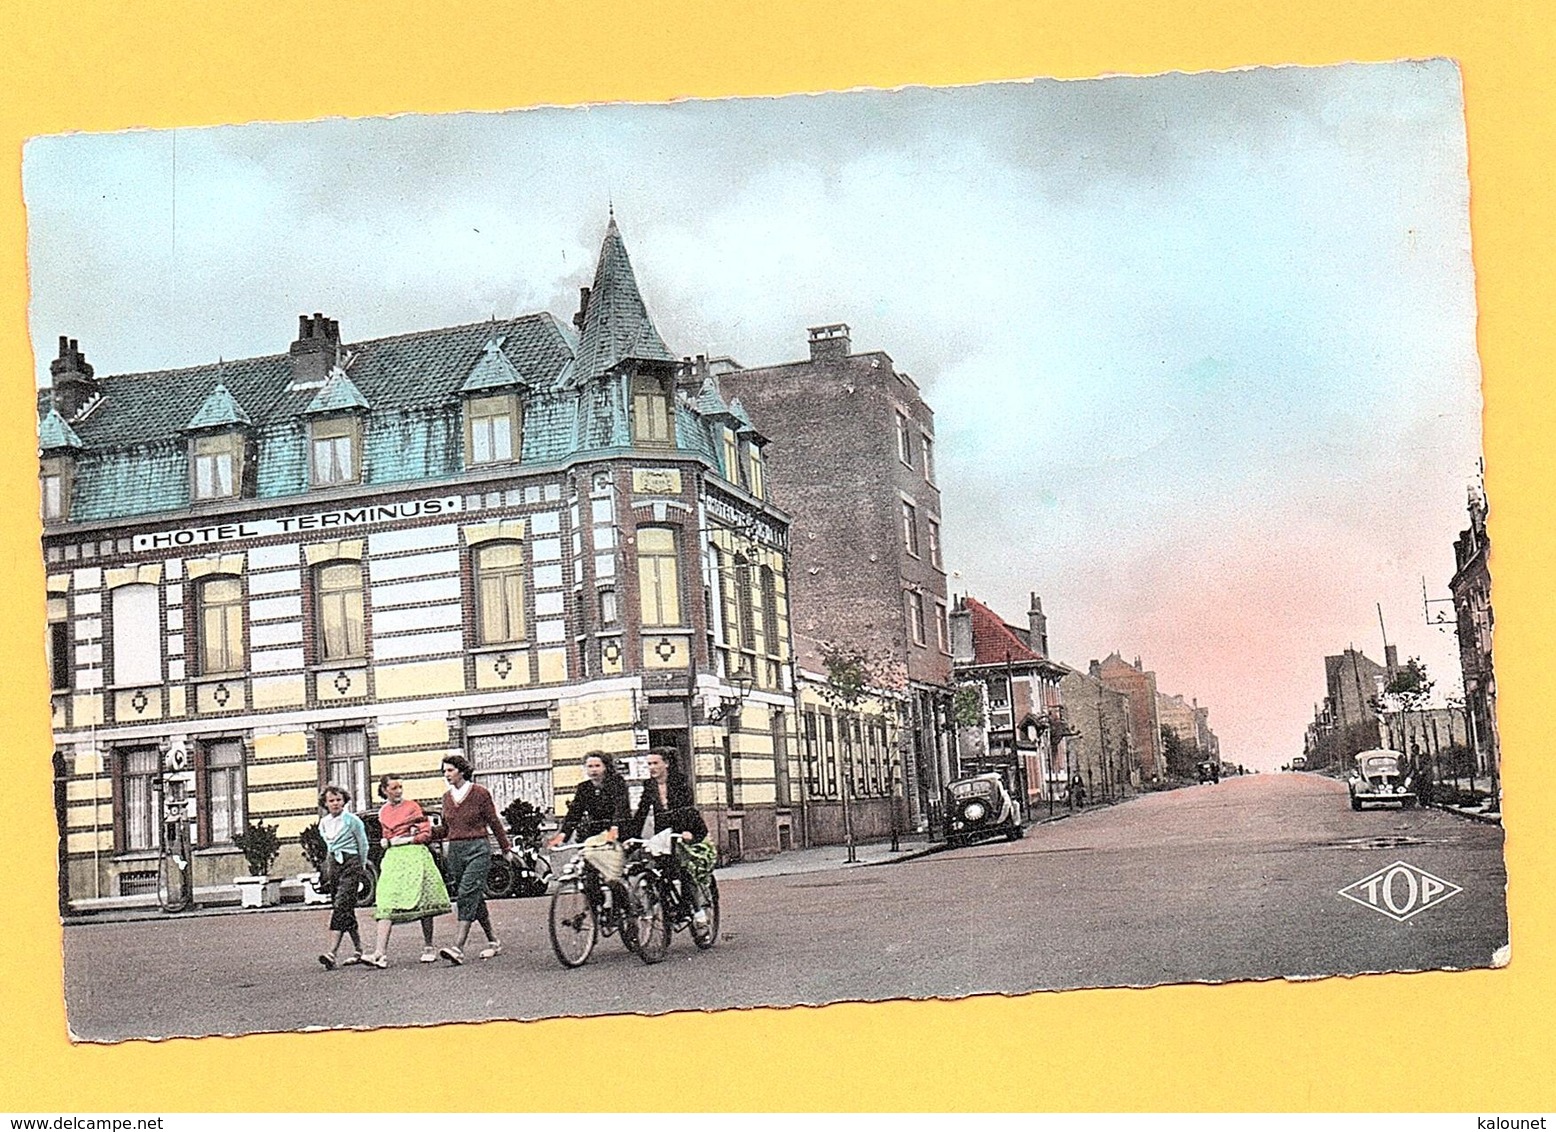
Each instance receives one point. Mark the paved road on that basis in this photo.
(1212, 883)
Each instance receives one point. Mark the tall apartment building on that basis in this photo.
(852, 458)
(1118, 675)
(519, 539)
(1471, 589)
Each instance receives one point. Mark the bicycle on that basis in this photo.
(654, 886)
(585, 906)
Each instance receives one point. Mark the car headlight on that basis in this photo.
(974, 811)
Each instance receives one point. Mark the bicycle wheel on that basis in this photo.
(574, 927)
(708, 936)
(651, 920)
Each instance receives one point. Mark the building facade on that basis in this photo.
(1471, 589)
(519, 540)
(1135, 682)
(852, 459)
(1099, 741)
(1020, 731)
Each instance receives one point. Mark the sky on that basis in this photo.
(1200, 348)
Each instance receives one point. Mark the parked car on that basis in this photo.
(1209, 772)
(980, 807)
(1379, 777)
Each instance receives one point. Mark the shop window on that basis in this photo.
(137, 635)
(513, 761)
(222, 792)
(658, 577)
(221, 625)
(341, 628)
(493, 429)
(499, 587)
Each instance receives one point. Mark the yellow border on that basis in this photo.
(1478, 1040)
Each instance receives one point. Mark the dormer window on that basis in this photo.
(216, 464)
(336, 447)
(494, 429)
(652, 418)
(54, 481)
(757, 473)
(731, 456)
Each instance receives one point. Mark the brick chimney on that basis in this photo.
(960, 621)
(315, 351)
(1038, 625)
(71, 379)
(830, 343)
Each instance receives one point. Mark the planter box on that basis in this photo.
(258, 892)
(311, 893)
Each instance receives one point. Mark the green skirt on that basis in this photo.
(409, 885)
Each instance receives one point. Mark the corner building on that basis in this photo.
(520, 540)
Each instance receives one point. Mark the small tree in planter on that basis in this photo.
(260, 847)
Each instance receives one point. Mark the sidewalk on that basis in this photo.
(823, 858)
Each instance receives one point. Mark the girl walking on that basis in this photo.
(468, 813)
(345, 845)
(409, 884)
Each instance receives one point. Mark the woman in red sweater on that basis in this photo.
(409, 884)
(468, 813)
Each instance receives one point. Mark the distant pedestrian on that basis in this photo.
(410, 887)
(1077, 792)
(345, 857)
(468, 813)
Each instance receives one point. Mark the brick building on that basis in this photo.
(1133, 681)
(1471, 589)
(518, 539)
(1100, 743)
(852, 459)
(1022, 733)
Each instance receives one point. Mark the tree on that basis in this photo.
(1182, 757)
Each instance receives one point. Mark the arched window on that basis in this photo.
(342, 633)
(659, 588)
(137, 635)
(221, 625)
(499, 588)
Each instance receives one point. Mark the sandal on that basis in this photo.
(352, 960)
(453, 955)
(492, 949)
(377, 961)
(428, 955)
(327, 960)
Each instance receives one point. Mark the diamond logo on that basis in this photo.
(1400, 891)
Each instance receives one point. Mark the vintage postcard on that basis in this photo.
(860, 546)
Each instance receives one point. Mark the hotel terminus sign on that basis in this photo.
(343, 519)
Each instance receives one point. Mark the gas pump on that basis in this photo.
(175, 875)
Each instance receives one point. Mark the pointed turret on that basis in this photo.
(615, 324)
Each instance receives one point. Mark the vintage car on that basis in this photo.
(980, 807)
(1379, 777)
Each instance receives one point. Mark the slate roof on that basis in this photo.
(54, 433)
(132, 449)
(616, 323)
(218, 410)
